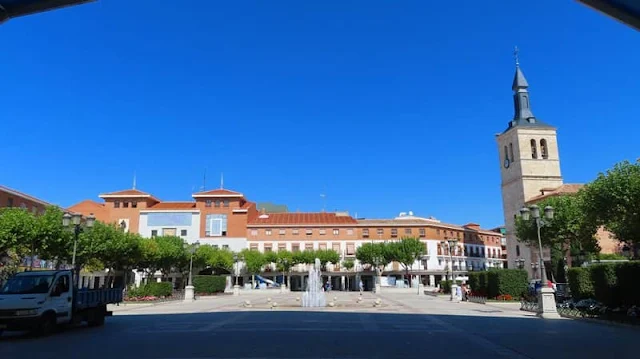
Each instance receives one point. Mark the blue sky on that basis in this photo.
(384, 106)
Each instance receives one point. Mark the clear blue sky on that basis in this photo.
(384, 106)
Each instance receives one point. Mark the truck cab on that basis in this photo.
(43, 300)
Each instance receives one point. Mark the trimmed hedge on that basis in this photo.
(580, 283)
(445, 285)
(613, 284)
(478, 281)
(511, 282)
(155, 289)
(209, 284)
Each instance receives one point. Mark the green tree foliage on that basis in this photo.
(284, 261)
(327, 256)
(253, 262)
(16, 231)
(406, 252)
(171, 254)
(209, 284)
(613, 200)
(348, 264)
(56, 241)
(367, 252)
(270, 257)
(214, 258)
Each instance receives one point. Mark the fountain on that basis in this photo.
(314, 296)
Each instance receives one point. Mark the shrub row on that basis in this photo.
(152, 289)
(208, 284)
(499, 282)
(445, 285)
(613, 284)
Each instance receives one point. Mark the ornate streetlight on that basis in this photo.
(377, 260)
(520, 263)
(189, 290)
(546, 300)
(76, 220)
(236, 287)
(451, 244)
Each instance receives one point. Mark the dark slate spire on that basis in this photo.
(523, 116)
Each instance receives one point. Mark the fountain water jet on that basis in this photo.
(314, 296)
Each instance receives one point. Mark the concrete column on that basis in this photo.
(343, 283)
(432, 280)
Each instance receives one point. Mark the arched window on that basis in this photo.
(544, 150)
(511, 151)
(534, 149)
(517, 250)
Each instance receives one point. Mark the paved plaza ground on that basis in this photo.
(404, 326)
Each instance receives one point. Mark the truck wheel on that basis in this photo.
(97, 318)
(48, 325)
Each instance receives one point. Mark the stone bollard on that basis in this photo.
(247, 304)
(377, 303)
(269, 300)
(274, 305)
(332, 304)
(297, 299)
(335, 299)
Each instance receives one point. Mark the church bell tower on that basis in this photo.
(529, 162)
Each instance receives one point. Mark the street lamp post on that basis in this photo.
(236, 287)
(376, 262)
(451, 244)
(76, 220)
(189, 290)
(546, 300)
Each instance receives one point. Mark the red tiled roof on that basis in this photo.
(23, 195)
(173, 205)
(302, 219)
(218, 192)
(126, 192)
(569, 188)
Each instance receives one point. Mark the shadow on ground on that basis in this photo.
(328, 334)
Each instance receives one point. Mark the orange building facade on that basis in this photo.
(227, 219)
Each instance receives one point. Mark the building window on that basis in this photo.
(309, 232)
(423, 232)
(336, 247)
(154, 233)
(322, 246)
(511, 151)
(350, 232)
(125, 204)
(215, 246)
(216, 225)
(534, 149)
(116, 204)
(169, 232)
(254, 232)
(308, 246)
(365, 233)
(253, 246)
(351, 249)
(336, 232)
(437, 231)
(183, 232)
(283, 232)
(295, 232)
(544, 150)
(207, 203)
(217, 203)
(506, 154)
(517, 250)
(225, 246)
(323, 232)
(267, 232)
(267, 247)
(394, 232)
(134, 204)
(380, 231)
(407, 231)
(226, 203)
(295, 247)
(282, 246)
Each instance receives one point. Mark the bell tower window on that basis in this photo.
(511, 152)
(506, 153)
(544, 150)
(534, 149)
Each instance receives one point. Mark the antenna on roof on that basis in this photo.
(221, 180)
(204, 180)
(324, 201)
(134, 180)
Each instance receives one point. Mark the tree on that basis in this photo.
(55, 242)
(253, 261)
(327, 256)
(150, 256)
(120, 251)
(367, 252)
(16, 231)
(284, 262)
(613, 200)
(570, 230)
(171, 254)
(348, 264)
(406, 252)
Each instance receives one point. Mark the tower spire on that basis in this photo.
(134, 180)
(221, 180)
(520, 87)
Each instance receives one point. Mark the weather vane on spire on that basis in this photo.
(516, 51)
